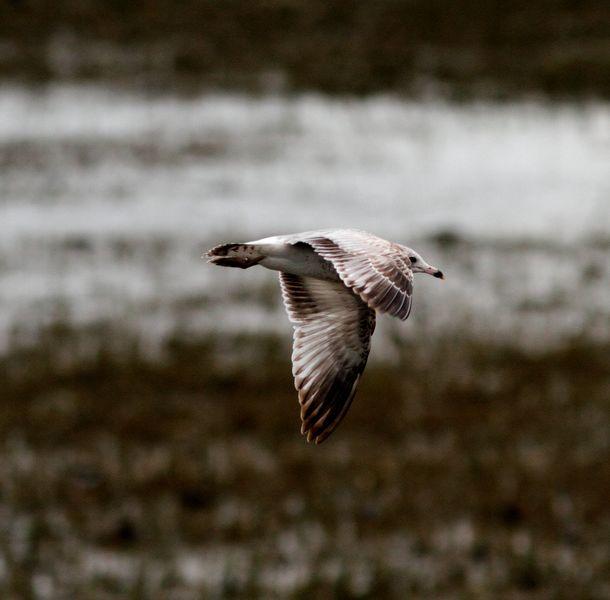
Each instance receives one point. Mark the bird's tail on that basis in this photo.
(242, 256)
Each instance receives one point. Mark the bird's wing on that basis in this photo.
(332, 333)
(377, 270)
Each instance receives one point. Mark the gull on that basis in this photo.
(333, 282)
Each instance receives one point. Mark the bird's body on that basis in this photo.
(333, 282)
(283, 254)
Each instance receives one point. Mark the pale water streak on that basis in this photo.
(108, 198)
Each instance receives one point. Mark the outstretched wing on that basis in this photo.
(332, 333)
(377, 270)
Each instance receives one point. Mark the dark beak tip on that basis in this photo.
(439, 275)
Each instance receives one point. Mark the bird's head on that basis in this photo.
(419, 265)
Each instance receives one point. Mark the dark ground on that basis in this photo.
(485, 477)
(557, 48)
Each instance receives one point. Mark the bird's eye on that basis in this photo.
(412, 259)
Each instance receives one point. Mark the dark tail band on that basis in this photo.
(241, 256)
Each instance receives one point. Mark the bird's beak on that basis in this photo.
(435, 272)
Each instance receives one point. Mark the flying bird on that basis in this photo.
(333, 282)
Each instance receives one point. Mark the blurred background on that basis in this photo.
(150, 441)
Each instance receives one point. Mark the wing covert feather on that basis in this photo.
(377, 270)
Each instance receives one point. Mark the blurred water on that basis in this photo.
(108, 198)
